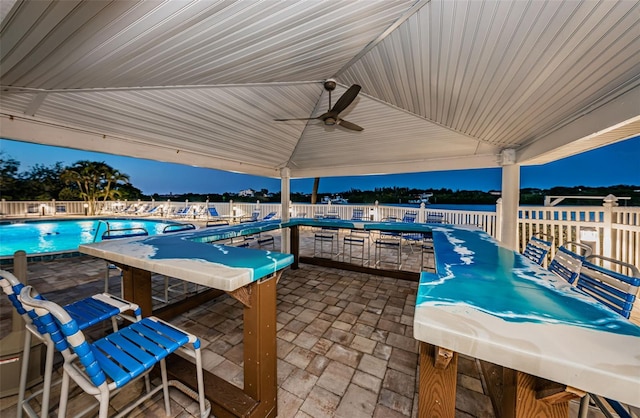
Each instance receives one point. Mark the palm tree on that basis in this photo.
(94, 180)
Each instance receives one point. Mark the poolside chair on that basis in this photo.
(537, 249)
(212, 213)
(270, 215)
(104, 367)
(153, 211)
(566, 263)
(182, 212)
(615, 286)
(252, 218)
(86, 312)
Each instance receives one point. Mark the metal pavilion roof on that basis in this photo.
(446, 84)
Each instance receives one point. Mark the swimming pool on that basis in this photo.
(61, 236)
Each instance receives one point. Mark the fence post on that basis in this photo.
(499, 220)
(608, 238)
(421, 214)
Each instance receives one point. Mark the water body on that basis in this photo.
(40, 237)
(445, 206)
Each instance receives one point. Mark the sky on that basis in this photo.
(606, 166)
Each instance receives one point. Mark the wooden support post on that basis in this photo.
(437, 393)
(295, 246)
(136, 287)
(260, 356)
(519, 398)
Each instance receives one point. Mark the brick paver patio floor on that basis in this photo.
(345, 341)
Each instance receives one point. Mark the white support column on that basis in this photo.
(285, 197)
(510, 199)
(609, 203)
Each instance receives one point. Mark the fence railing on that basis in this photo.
(611, 230)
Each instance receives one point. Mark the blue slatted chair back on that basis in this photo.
(409, 217)
(213, 212)
(270, 215)
(435, 218)
(616, 290)
(357, 215)
(566, 263)
(537, 249)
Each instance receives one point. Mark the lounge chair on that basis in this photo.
(212, 213)
(252, 218)
(182, 212)
(154, 211)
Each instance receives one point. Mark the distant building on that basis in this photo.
(247, 193)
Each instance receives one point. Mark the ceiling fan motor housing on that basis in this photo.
(330, 84)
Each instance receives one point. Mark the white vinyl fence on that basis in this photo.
(611, 230)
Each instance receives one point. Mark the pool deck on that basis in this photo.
(345, 341)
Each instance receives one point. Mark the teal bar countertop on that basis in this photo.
(192, 257)
(489, 302)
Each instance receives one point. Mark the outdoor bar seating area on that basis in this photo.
(273, 306)
(560, 302)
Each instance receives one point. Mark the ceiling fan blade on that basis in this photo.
(345, 100)
(350, 125)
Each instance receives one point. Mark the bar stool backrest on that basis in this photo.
(357, 214)
(616, 290)
(409, 217)
(567, 263)
(61, 326)
(537, 249)
(12, 288)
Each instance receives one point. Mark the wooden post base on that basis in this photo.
(437, 393)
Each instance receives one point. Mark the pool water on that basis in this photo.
(40, 237)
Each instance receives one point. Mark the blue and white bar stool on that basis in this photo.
(85, 312)
(104, 367)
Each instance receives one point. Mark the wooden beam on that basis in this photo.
(437, 391)
(519, 400)
(492, 375)
(553, 393)
(396, 274)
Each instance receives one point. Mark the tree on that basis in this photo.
(43, 183)
(95, 181)
(9, 179)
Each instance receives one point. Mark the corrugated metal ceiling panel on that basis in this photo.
(505, 72)
(234, 123)
(128, 43)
